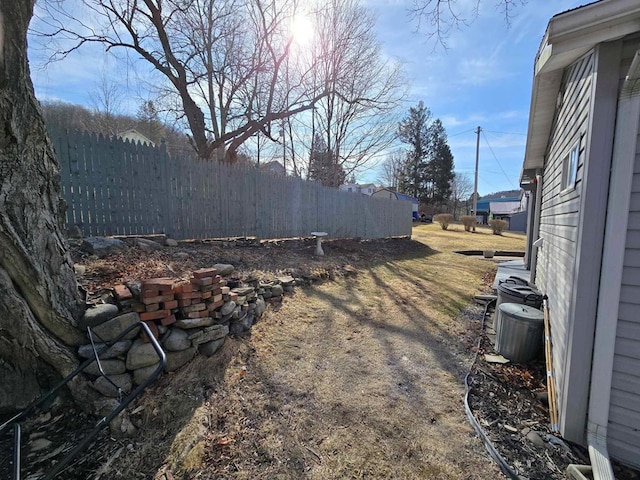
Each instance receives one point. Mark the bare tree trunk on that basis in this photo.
(39, 299)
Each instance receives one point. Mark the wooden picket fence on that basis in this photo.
(113, 187)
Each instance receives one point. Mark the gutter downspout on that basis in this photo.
(535, 234)
(620, 185)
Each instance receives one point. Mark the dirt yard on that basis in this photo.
(357, 375)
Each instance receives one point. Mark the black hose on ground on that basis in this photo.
(502, 463)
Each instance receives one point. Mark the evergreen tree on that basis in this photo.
(440, 166)
(323, 165)
(427, 170)
(414, 131)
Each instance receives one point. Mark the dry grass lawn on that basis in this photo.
(358, 377)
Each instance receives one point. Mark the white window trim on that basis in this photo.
(568, 184)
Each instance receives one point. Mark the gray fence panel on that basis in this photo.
(115, 187)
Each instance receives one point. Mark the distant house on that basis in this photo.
(274, 167)
(135, 136)
(350, 187)
(366, 189)
(499, 208)
(388, 193)
(502, 210)
(582, 169)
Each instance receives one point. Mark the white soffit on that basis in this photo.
(570, 35)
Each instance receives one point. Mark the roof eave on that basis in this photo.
(569, 36)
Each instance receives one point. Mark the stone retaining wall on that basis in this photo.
(188, 318)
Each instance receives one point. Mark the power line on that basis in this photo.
(498, 161)
(460, 133)
(487, 182)
(505, 133)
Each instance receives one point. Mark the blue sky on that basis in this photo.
(482, 79)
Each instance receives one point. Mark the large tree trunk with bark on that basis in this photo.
(39, 298)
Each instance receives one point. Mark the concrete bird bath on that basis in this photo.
(319, 236)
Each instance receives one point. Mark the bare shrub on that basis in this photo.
(444, 219)
(469, 222)
(498, 226)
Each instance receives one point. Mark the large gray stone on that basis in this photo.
(141, 355)
(181, 256)
(228, 308)
(240, 327)
(135, 287)
(177, 359)
(170, 242)
(177, 340)
(210, 348)
(104, 406)
(117, 349)
(243, 291)
(101, 246)
(147, 245)
(188, 323)
(277, 290)
(286, 280)
(111, 366)
(140, 375)
(103, 385)
(260, 307)
(208, 334)
(110, 329)
(224, 269)
(97, 315)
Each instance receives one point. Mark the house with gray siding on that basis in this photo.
(582, 172)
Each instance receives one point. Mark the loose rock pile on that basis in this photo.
(187, 317)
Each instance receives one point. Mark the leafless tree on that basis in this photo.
(392, 169)
(461, 192)
(233, 70)
(225, 61)
(106, 101)
(357, 118)
(437, 18)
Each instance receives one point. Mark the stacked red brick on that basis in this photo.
(201, 295)
(162, 301)
(156, 303)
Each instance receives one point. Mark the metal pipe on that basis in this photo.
(536, 228)
(102, 422)
(475, 183)
(106, 420)
(16, 450)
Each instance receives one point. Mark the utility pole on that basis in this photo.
(475, 184)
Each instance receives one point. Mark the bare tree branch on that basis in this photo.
(438, 18)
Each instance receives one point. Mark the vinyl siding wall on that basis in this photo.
(624, 410)
(624, 413)
(560, 210)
